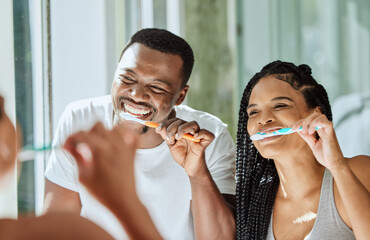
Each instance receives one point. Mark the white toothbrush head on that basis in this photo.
(129, 117)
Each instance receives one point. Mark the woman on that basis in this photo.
(299, 185)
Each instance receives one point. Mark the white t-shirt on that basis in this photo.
(162, 185)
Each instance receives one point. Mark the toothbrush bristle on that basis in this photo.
(129, 117)
(257, 137)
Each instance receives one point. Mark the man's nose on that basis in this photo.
(139, 93)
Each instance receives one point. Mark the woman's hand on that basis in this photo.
(189, 154)
(325, 148)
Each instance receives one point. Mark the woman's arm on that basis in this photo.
(352, 177)
(352, 197)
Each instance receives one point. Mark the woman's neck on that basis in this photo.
(299, 173)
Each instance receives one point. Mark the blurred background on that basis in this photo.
(55, 52)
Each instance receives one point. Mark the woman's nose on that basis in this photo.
(265, 118)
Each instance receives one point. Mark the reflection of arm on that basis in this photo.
(353, 187)
(52, 226)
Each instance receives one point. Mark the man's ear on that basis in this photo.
(318, 109)
(182, 95)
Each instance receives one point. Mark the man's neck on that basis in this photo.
(150, 139)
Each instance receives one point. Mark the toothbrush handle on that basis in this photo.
(186, 136)
(190, 137)
(300, 129)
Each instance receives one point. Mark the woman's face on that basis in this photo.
(275, 104)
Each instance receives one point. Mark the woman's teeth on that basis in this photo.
(136, 111)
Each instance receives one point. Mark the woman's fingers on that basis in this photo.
(309, 139)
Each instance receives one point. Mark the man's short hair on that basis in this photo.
(166, 42)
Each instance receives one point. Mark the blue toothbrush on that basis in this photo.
(28, 152)
(282, 131)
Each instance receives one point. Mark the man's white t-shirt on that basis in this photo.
(162, 185)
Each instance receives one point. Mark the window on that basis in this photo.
(333, 37)
(231, 41)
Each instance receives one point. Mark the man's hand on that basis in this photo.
(189, 154)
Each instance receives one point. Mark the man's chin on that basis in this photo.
(138, 128)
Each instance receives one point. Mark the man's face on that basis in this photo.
(147, 84)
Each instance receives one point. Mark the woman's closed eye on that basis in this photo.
(280, 105)
(252, 112)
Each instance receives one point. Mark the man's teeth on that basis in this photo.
(136, 111)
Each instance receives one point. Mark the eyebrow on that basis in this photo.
(282, 98)
(156, 79)
(274, 99)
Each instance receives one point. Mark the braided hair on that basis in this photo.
(257, 178)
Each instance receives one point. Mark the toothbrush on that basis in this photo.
(154, 125)
(28, 152)
(283, 131)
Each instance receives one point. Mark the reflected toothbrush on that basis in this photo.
(28, 152)
(150, 124)
(283, 131)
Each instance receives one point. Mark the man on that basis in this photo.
(177, 180)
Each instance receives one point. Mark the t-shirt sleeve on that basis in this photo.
(61, 168)
(220, 156)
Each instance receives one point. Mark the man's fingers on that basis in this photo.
(163, 128)
(188, 127)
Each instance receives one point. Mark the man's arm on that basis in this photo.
(59, 199)
(213, 219)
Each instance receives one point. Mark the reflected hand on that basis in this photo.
(105, 160)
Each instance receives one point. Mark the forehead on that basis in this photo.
(270, 87)
(150, 61)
